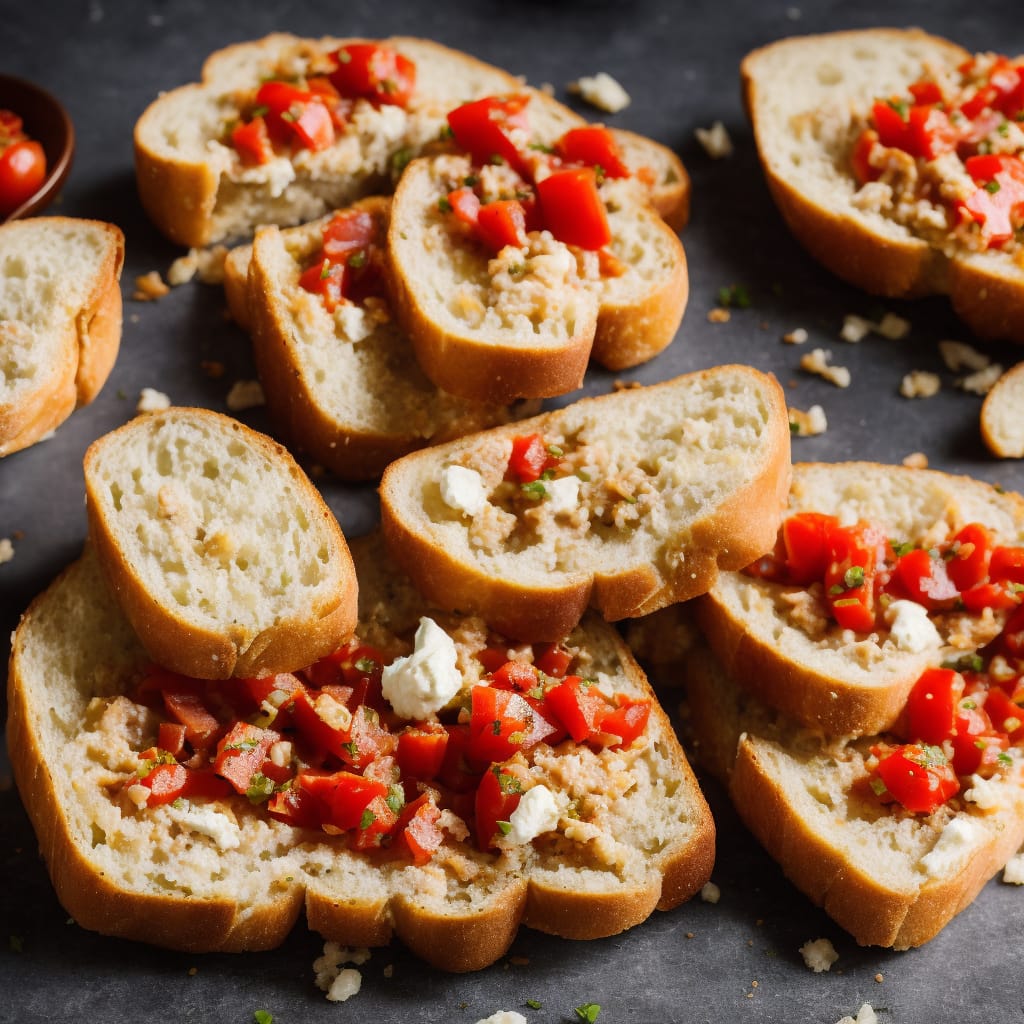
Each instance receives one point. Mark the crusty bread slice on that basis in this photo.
(1002, 426)
(221, 875)
(779, 640)
(809, 98)
(676, 481)
(222, 554)
(60, 321)
(345, 388)
(890, 879)
(196, 191)
(524, 322)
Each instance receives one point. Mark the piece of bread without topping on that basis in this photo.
(221, 875)
(809, 98)
(60, 321)
(889, 878)
(779, 640)
(663, 487)
(197, 191)
(1002, 426)
(523, 322)
(344, 387)
(222, 554)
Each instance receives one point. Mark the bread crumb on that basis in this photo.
(193, 971)
(959, 356)
(920, 384)
(6, 550)
(690, 935)
(854, 329)
(208, 264)
(519, 961)
(981, 382)
(151, 400)
(718, 315)
(879, 977)
(916, 460)
(817, 361)
(857, 328)
(710, 893)
(150, 287)
(796, 337)
(625, 385)
(213, 368)
(245, 394)
(819, 954)
(389, 971)
(330, 978)
(865, 1015)
(809, 423)
(601, 91)
(503, 1017)
(715, 140)
(1013, 872)
(893, 327)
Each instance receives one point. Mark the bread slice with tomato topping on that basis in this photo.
(227, 858)
(626, 503)
(282, 130)
(60, 321)
(879, 572)
(340, 377)
(889, 875)
(222, 554)
(895, 159)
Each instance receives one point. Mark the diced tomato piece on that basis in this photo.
(376, 821)
(284, 104)
(998, 205)
(421, 750)
(529, 459)
(515, 675)
(580, 708)
(497, 796)
(374, 72)
(854, 554)
(369, 738)
(502, 223)
(491, 128)
(417, 828)
(594, 146)
(922, 131)
(346, 232)
(628, 720)
(165, 783)
(980, 101)
(241, 753)
(301, 805)
(277, 773)
(278, 691)
(973, 735)
(925, 92)
(322, 722)
(573, 209)
(314, 125)
(343, 796)
(971, 555)
(933, 704)
(458, 771)
(805, 538)
(465, 204)
(860, 158)
(492, 658)
(184, 703)
(1005, 714)
(1011, 640)
(327, 280)
(502, 723)
(252, 142)
(919, 778)
(551, 659)
(1007, 564)
(171, 737)
(999, 596)
(926, 579)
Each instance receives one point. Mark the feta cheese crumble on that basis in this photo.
(536, 812)
(462, 489)
(421, 684)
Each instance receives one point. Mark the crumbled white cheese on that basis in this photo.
(920, 384)
(985, 794)
(6, 550)
(809, 423)
(151, 400)
(981, 382)
(503, 1017)
(535, 813)
(601, 91)
(462, 489)
(710, 893)
(865, 1015)
(352, 322)
(959, 356)
(796, 337)
(910, 627)
(208, 822)
(855, 328)
(345, 985)
(245, 394)
(426, 680)
(330, 978)
(1013, 872)
(715, 140)
(563, 494)
(955, 843)
(819, 954)
(817, 361)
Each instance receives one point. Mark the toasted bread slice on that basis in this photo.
(889, 878)
(664, 486)
(779, 640)
(222, 554)
(220, 875)
(809, 99)
(60, 321)
(197, 191)
(1002, 428)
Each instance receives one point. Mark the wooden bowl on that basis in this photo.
(46, 121)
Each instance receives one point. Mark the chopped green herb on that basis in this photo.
(878, 787)
(736, 296)
(992, 187)
(287, 115)
(443, 205)
(1004, 759)
(352, 748)
(534, 1004)
(900, 106)
(845, 602)
(496, 727)
(902, 548)
(445, 132)
(400, 160)
(504, 827)
(555, 450)
(263, 1017)
(358, 259)
(395, 798)
(965, 663)
(366, 665)
(540, 147)
(325, 269)
(249, 744)
(261, 111)
(507, 783)
(853, 577)
(178, 804)
(470, 180)
(535, 490)
(367, 819)
(588, 1012)
(583, 475)
(1004, 129)
(260, 788)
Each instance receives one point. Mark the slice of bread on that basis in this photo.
(343, 387)
(665, 486)
(809, 98)
(222, 554)
(779, 639)
(60, 321)
(196, 190)
(524, 322)
(220, 875)
(1002, 427)
(889, 878)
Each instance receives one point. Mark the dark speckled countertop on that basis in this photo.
(737, 960)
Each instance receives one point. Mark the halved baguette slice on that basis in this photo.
(197, 191)
(809, 98)
(60, 321)
(1002, 426)
(779, 639)
(222, 554)
(890, 879)
(344, 387)
(675, 482)
(220, 875)
(525, 321)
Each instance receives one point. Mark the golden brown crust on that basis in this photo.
(1000, 415)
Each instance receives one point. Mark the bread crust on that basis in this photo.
(226, 648)
(545, 606)
(986, 291)
(1000, 415)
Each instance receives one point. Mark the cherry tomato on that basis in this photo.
(22, 173)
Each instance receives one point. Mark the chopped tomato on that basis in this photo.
(458, 771)
(998, 205)
(493, 128)
(1000, 596)
(252, 141)
(805, 538)
(552, 659)
(168, 782)
(573, 209)
(465, 204)
(1007, 564)
(628, 720)
(850, 576)
(374, 72)
(530, 457)
(502, 723)
(377, 820)
(295, 114)
(22, 173)
(241, 753)
(417, 828)
(594, 146)
(497, 796)
(1005, 714)
(300, 804)
(860, 158)
(502, 223)
(971, 555)
(347, 232)
(933, 704)
(926, 580)
(421, 750)
(171, 737)
(919, 777)
(925, 92)
(183, 700)
(922, 130)
(515, 675)
(580, 707)
(492, 658)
